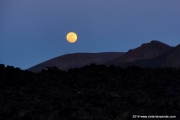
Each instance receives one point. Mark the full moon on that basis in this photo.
(71, 37)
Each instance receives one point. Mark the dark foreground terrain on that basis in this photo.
(94, 92)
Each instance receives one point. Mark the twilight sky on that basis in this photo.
(33, 31)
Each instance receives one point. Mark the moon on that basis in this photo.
(71, 37)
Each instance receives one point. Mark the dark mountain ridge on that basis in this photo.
(152, 54)
(74, 60)
(146, 50)
(169, 58)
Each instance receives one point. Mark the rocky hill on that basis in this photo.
(93, 92)
(169, 58)
(146, 50)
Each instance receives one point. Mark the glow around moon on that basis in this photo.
(71, 37)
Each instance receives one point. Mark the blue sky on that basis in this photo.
(33, 31)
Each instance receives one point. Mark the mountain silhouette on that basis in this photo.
(152, 54)
(170, 58)
(146, 50)
(74, 60)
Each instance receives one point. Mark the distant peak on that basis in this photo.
(152, 42)
(155, 41)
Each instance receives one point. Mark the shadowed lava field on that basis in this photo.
(92, 92)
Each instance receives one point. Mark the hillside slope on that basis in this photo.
(68, 61)
(146, 50)
(170, 58)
